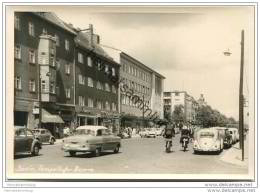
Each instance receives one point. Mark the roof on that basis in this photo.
(91, 127)
(54, 19)
(143, 65)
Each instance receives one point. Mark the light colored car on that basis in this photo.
(151, 133)
(158, 131)
(143, 133)
(44, 136)
(94, 139)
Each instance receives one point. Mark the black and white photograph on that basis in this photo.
(130, 92)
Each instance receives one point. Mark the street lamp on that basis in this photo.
(241, 97)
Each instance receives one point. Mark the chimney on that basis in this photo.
(91, 35)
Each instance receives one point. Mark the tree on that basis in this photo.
(178, 114)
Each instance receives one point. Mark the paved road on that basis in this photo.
(137, 155)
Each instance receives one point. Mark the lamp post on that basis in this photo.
(241, 97)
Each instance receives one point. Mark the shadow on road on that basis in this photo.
(22, 156)
(206, 153)
(90, 155)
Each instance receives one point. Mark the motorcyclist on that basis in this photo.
(185, 133)
(169, 133)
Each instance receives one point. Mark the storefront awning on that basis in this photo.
(50, 118)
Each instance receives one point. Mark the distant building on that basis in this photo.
(202, 101)
(174, 98)
(145, 82)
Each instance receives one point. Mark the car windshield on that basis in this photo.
(85, 132)
(207, 135)
(36, 131)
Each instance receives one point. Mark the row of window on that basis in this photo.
(134, 71)
(32, 58)
(31, 31)
(137, 87)
(97, 104)
(89, 63)
(99, 85)
(126, 100)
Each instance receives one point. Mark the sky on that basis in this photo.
(184, 44)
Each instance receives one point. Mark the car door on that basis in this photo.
(20, 141)
(106, 139)
(29, 140)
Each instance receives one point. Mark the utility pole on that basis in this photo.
(40, 98)
(143, 110)
(241, 97)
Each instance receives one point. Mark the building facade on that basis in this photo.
(43, 46)
(58, 68)
(174, 98)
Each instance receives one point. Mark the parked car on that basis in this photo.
(235, 134)
(208, 140)
(151, 133)
(123, 135)
(26, 142)
(143, 133)
(158, 131)
(94, 139)
(44, 136)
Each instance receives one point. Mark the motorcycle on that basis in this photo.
(168, 145)
(185, 142)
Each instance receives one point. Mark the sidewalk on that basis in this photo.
(234, 155)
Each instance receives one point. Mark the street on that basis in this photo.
(137, 156)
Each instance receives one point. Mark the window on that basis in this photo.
(81, 101)
(52, 88)
(107, 106)
(113, 72)
(32, 56)
(81, 79)
(52, 61)
(90, 82)
(113, 89)
(67, 93)
(31, 29)
(58, 63)
(17, 22)
(99, 85)
(90, 102)
(67, 45)
(43, 86)
(177, 94)
(18, 82)
(17, 51)
(80, 58)
(67, 68)
(99, 104)
(57, 40)
(113, 106)
(106, 68)
(89, 62)
(32, 85)
(44, 31)
(107, 87)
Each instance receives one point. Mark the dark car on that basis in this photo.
(228, 139)
(44, 136)
(26, 142)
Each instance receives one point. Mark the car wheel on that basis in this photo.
(97, 152)
(72, 153)
(116, 150)
(52, 141)
(36, 150)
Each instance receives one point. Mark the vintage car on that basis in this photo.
(151, 133)
(158, 131)
(208, 140)
(235, 134)
(94, 139)
(44, 136)
(143, 133)
(26, 142)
